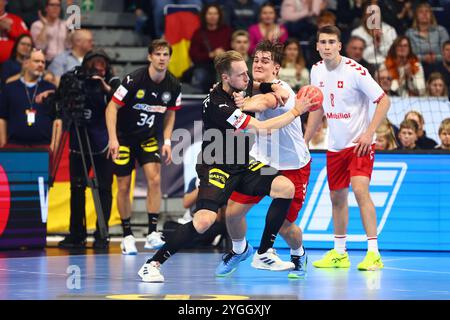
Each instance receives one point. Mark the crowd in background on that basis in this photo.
(409, 55)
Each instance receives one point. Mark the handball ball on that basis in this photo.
(311, 90)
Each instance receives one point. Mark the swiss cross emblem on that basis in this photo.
(340, 84)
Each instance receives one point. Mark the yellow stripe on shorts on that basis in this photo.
(124, 156)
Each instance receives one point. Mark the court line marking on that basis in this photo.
(414, 270)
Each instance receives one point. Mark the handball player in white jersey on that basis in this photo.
(349, 91)
(284, 150)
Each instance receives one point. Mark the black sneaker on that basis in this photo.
(71, 242)
(101, 244)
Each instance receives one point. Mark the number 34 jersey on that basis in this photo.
(141, 99)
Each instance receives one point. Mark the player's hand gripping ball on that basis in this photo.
(312, 91)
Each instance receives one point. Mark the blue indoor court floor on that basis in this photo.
(190, 275)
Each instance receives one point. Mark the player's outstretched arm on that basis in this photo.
(257, 103)
(314, 120)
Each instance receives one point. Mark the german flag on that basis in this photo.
(59, 200)
(180, 25)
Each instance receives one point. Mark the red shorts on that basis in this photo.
(344, 164)
(299, 177)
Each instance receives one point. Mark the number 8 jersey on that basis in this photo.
(141, 99)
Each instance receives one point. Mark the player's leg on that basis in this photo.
(338, 181)
(123, 166)
(237, 228)
(260, 180)
(152, 171)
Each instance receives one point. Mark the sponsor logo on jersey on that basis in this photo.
(340, 115)
(148, 108)
(120, 93)
(237, 119)
(140, 94)
(166, 96)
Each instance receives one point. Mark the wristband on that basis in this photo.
(295, 112)
(266, 87)
(167, 142)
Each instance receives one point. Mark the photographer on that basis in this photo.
(84, 94)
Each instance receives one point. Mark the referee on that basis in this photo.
(131, 120)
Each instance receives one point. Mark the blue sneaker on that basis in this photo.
(231, 260)
(300, 266)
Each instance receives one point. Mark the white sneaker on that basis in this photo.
(128, 245)
(186, 217)
(151, 272)
(154, 241)
(270, 261)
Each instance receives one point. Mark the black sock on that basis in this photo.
(152, 222)
(184, 235)
(126, 226)
(274, 220)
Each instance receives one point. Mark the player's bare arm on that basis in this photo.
(314, 120)
(257, 103)
(169, 122)
(280, 93)
(365, 140)
(111, 122)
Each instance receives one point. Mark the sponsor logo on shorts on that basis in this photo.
(218, 178)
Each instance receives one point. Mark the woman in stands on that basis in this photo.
(293, 67)
(405, 69)
(436, 86)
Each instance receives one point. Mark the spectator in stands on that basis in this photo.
(405, 69)
(436, 86)
(293, 67)
(385, 137)
(408, 135)
(326, 18)
(22, 48)
(427, 37)
(241, 13)
(319, 141)
(23, 121)
(398, 13)
(444, 135)
(50, 32)
(144, 22)
(240, 42)
(267, 27)
(212, 38)
(384, 79)
(378, 41)
(11, 27)
(354, 50)
(423, 142)
(25, 9)
(298, 16)
(444, 66)
(158, 12)
(82, 42)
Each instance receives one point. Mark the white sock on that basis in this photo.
(372, 244)
(239, 245)
(298, 252)
(339, 243)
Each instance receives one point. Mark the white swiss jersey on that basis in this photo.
(348, 91)
(283, 149)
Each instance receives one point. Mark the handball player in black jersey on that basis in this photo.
(131, 117)
(220, 174)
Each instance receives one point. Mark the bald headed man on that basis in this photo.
(82, 42)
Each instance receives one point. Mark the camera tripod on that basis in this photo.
(92, 183)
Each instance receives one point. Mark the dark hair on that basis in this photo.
(16, 44)
(223, 61)
(300, 59)
(275, 49)
(268, 4)
(159, 43)
(329, 30)
(446, 43)
(205, 10)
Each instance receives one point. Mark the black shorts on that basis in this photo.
(130, 150)
(217, 183)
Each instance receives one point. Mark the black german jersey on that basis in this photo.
(142, 99)
(225, 140)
